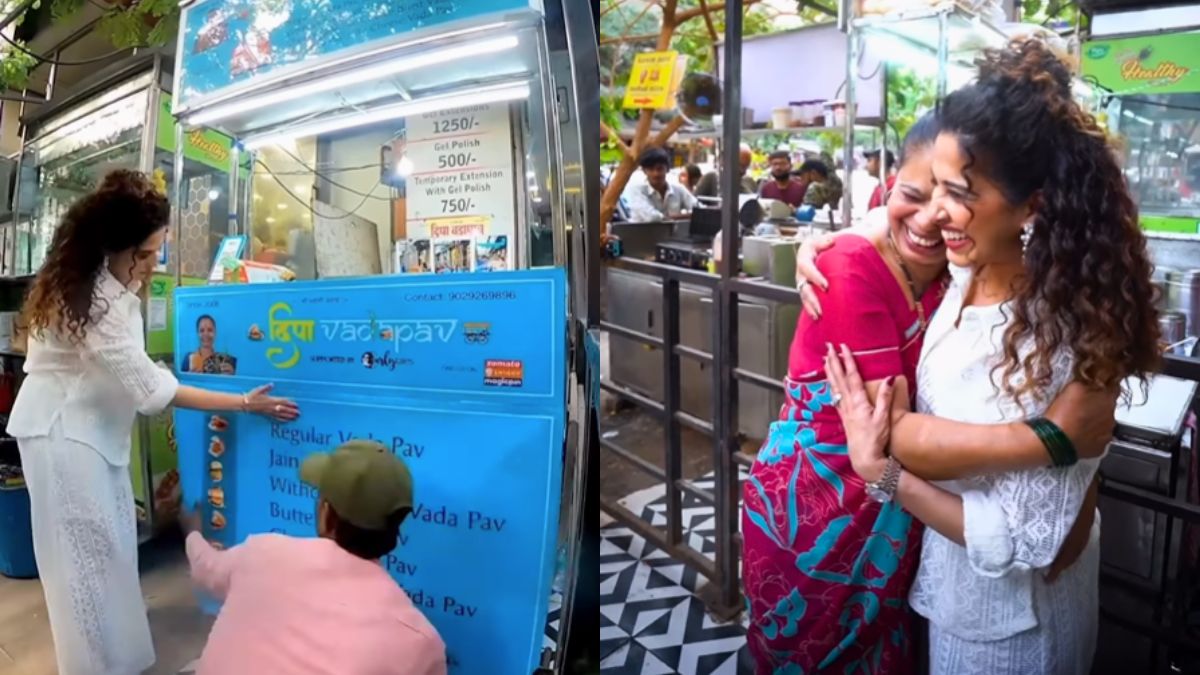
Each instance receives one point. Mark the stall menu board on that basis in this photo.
(461, 193)
(226, 42)
(1154, 64)
(463, 377)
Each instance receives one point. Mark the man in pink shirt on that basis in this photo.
(297, 606)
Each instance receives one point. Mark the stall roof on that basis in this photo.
(97, 84)
(419, 82)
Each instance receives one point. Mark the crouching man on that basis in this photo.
(300, 606)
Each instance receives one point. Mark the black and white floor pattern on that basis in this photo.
(651, 623)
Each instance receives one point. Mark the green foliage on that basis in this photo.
(1042, 12)
(146, 23)
(14, 68)
(908, 97)
(150, 23)
(693, 38)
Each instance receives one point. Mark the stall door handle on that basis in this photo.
(650, 319)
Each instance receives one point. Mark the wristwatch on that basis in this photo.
(884, 490)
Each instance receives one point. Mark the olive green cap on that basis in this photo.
(362, 480)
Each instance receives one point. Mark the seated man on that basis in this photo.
(823, 187)
(782, 185)
(710, 184)
(657, 199)
(296, 605)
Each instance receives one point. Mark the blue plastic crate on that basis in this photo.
(16, 534)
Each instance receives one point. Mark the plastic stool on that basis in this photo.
(16, 533)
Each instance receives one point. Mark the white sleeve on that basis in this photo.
(1020, 521)
(640, 208)
(111, 344)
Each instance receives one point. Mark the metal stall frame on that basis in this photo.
(573, 167)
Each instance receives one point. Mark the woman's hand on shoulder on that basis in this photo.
(807, 274)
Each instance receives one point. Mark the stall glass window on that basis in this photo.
(69, 159)
(280, 207)
(1162, 152)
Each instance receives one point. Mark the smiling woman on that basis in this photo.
(1050, 293)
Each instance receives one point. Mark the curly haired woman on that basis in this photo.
(1051, 284)
(88, 378)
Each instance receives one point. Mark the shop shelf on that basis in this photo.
(790, 131)
(966, 31)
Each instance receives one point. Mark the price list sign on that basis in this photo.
(461, 192)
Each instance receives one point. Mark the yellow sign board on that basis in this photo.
(652, 81)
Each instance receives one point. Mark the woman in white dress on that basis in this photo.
(88, 376)
(1051, 284)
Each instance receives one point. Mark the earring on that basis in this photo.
(1026, 235)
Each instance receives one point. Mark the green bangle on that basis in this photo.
(1058, 445)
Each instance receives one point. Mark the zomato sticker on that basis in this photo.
(503, 373)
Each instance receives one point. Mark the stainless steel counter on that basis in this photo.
(764, 335)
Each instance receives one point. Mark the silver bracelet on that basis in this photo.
(245, 402)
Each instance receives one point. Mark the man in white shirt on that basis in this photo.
(657, 199)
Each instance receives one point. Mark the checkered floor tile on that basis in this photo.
(651, 621)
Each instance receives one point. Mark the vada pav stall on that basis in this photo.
(416, 174)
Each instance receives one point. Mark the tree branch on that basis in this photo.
(693, 13)
(628, 38)
(614, 136)
(708, 22)
(668, 130)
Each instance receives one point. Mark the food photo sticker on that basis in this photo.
(412, 256)
(216, 472)
(216, 447)
(218, 423)
(491, 254)
(452, 255)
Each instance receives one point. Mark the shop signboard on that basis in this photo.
(461, 191)
(202, 145)
(228, 42)
(462, 376)
(652, 80)
(1153, 64)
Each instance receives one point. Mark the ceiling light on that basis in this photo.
(214, 194)
(281, 206)
(301, 188)
(270, 220)
(257, 197)
(478, 96)
(404, 167)
(356, 76)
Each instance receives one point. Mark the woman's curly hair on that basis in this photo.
(1087, 274)
(120, 214)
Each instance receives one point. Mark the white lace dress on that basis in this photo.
(989, 608)
(73, 420)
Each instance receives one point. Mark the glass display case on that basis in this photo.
(67, 158)
(1161, 145)
(1149, 91)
